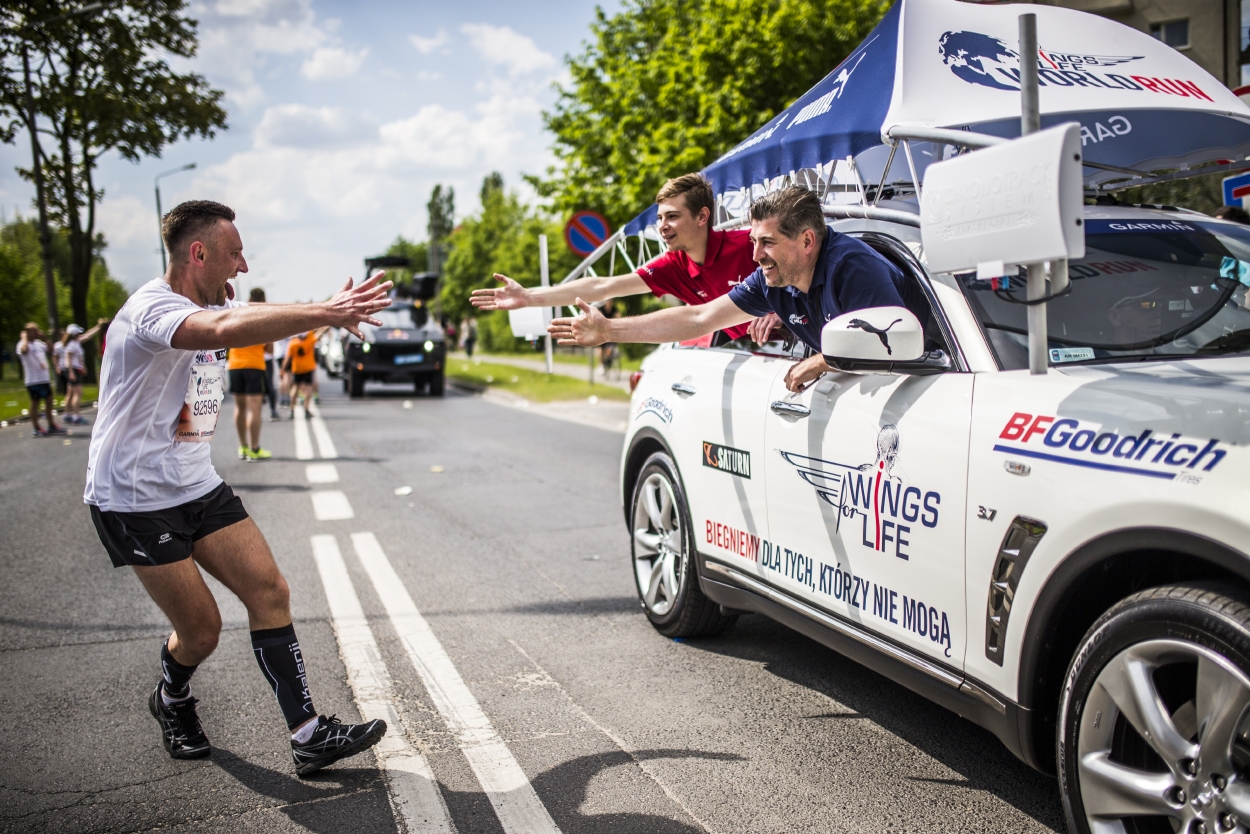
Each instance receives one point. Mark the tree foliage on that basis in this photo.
(99, 82)
(666, 86)
(502, 237)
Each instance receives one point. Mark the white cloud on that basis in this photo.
(331, 62)
(427, 45)
(301, 126)
(428, 75)
(507, 47)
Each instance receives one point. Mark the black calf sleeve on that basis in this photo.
(177, 677)
(277, 652)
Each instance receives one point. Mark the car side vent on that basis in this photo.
(1018, 545)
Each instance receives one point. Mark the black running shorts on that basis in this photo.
(161, 537)
(305, 378)
(247, 381)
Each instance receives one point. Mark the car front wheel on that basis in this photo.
(1154, 733)
(663, 552)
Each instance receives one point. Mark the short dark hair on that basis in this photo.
(257, 294)
(795, 207)
(1234, 213)
(188, 221)
(695, 188)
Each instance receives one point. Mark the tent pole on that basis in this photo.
(1031, 122)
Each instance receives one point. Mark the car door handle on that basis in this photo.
(683, 388)
(786, 409)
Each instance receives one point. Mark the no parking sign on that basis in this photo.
(1236, 190)
(585, 231)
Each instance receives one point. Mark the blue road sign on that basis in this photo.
(1236, 190)
(585, 231)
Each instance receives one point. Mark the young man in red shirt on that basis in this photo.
(701, 264)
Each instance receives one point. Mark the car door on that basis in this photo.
(717, 439)
(867, 477)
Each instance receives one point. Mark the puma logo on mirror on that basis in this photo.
(881, 334)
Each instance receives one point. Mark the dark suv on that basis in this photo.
(409, 346)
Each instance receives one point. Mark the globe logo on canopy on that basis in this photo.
(973, 56)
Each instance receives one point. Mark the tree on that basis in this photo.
(99, 83)
(442, 212)
(501, 237)
(666, 86)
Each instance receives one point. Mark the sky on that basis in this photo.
(342, 118)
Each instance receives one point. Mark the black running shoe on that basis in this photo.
(180, 727)
(334, 740)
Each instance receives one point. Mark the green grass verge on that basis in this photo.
(529, 384)
(14, 400)
(626, 364)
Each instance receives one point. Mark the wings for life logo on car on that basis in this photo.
(989, 62)
(874, 493)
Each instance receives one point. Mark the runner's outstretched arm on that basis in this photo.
(676, 324)
(246, 326)
(513, 296)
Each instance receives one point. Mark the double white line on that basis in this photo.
(415, 795)
(304, 415)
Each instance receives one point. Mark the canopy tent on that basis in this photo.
(1142, 106)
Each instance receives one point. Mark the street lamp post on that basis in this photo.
(159, 216)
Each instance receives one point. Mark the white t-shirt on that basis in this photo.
(58, 356)
(73, 357)
(35, 362)
(158, 408)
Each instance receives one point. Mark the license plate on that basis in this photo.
(409, 359)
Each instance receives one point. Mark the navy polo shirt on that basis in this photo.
(850, 275)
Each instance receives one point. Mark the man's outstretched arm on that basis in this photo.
(247, 326)
(513, 296)
(676, 324)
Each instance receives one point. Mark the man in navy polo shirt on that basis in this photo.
(808, 274)
(701, 264)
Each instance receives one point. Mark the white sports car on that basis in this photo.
(1062, 559)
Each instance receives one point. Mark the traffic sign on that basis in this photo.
(1236, 190)
(585, 232)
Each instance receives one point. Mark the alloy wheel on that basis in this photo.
(659, 544)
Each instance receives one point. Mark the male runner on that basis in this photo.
(808, 274)
(701, 263)
(301, 363)
(32, 350)
(158, 504)
(246, 367)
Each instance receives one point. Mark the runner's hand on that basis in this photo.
(355, 304)
(763, 327)
(588, 330)
(511, 296)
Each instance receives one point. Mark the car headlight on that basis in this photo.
(365, 347)
(429, 345)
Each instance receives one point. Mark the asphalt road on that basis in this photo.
(516, 557)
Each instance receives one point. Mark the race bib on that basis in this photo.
(205, 394)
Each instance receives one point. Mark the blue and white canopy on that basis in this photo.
(946, 64)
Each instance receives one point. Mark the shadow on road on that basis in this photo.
(975, 754)
(563, 790)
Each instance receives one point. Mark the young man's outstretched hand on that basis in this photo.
(511, 296)
(588, 330)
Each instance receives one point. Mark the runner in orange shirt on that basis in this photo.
(301, 362)
(247, 384)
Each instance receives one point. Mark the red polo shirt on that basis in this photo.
(726, 264)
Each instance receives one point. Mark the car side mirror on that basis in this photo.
(880, 340)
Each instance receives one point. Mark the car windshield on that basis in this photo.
(405, 317)
(1145, 288)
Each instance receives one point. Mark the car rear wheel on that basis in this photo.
(436, 385)
(663, 550)
(1154, 732)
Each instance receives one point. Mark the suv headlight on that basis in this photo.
(429, 345)
(365, 347)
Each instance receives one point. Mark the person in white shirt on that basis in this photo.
(71, 366)
(32, 350)
(158, 504)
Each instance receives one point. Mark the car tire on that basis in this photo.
(1154, 717)
(355, 385)
(436, 385)
(664, 557)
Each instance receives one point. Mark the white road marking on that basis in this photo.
(331, 505)
(303, 443)
(415, 797)
(321, 473)
(325, 444)
(518, 807)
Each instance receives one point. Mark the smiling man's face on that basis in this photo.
(223, 259)
(785, 261)
(681, 229)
